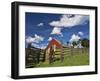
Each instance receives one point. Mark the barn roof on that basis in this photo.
(54, 42)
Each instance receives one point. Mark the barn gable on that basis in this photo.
(54, 42)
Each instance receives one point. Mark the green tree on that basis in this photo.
(74, 43)
(85, 42)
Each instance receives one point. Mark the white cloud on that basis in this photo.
(81, 33)
(74, 38)
(69, 21)
(35, 39)
(29, 39)
(41, 46)
(50, 38)
(35, 45)
(57, 31)
(38, 38)
(40, 24)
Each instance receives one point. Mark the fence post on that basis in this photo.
(62, 55)
(71, 50)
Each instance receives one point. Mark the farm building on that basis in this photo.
(52, 47)
(55, 43)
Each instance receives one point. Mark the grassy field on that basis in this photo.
(77, 58)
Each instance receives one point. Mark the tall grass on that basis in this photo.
(79, 57)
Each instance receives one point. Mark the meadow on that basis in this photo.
(72, 57)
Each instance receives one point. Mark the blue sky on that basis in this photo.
(40, 28)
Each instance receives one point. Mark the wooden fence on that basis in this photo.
(34, 57)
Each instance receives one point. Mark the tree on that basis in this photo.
(85, 42)
(74, 43)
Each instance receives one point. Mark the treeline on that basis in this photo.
(84, 42)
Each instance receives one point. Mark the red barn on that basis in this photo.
(53, 44)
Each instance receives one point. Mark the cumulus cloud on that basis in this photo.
(74, 38)
(35, 39)
(29, 39)
(41, 46)
(56, 30)
(40, 24)
(81, 33)
(69, 21)
(50, 38)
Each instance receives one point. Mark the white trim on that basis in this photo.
(53, 70)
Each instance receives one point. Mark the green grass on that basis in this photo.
(75, 59)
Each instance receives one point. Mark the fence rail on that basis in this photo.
(33, 57)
